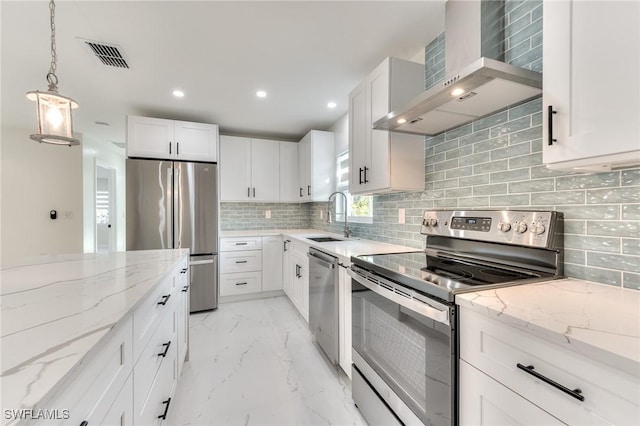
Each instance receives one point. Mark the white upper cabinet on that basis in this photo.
(249, 169)
(382, 161)
(591, 84)
(316, 166)
(172, 140)
(289, 187)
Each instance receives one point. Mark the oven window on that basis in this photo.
(411, 353)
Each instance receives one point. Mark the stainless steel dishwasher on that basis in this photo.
(323, 301)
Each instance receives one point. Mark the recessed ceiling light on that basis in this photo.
(457, 92)
(331, 105)
(178, 93)
(261, 94)
(401, 120)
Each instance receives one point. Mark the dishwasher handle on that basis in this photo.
(315, 258)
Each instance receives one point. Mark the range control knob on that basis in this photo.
(433, 222)
(520, 227)
(537, 228)
(504, 226)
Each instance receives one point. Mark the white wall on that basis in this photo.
(104, 154)
(36, 178)
(341, 134)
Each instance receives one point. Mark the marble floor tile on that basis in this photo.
(254, 363)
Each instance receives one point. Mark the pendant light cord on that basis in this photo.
(52, 78)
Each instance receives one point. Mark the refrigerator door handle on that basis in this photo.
(168, 208)
(177, 209)
(200, 262)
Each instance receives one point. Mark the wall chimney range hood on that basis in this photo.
(478, 81)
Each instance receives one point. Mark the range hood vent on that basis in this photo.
(478, 81)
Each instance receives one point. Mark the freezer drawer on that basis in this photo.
(204, 283)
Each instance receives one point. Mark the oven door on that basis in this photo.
(404, 348)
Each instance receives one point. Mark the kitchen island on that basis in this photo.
(59, 312)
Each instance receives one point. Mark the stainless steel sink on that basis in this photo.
(323, 239)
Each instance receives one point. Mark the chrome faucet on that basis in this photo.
(347, 231)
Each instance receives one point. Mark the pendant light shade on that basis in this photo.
(53, 111)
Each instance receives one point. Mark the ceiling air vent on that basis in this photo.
(108, 54)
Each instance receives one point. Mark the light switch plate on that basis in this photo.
(267, 214)
(400, 215)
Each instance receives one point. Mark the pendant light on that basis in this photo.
(55, 124)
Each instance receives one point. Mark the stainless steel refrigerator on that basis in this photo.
(174, 204)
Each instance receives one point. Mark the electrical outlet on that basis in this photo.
(267, 214)
(400, 215)
(321, 214)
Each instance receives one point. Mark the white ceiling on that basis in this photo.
(303, 53)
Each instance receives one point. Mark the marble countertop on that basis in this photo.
(599, 321)
(57, 309)
(342, 249)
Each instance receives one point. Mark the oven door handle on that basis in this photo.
(422, 308)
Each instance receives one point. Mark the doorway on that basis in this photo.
(105, 209)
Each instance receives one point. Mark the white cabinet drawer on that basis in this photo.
(610, 395)
(485, 402)
(240, 243)
(90, 395)
(151, 359)
(240, 261)
(158, 401)
(240, 283)
(146, 316)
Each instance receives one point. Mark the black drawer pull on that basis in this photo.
(184, 270)
(241, 244)
(84, 423)
(166, 349)
(166, 409)
(360, 180)
(241, 261)
(242, 283)
(576, 393)
(164, 299)
(550, 126)
(308, 189)
(185, 288)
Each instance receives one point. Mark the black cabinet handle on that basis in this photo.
(185, 288)
(169, 147)
(309, 190)
(576, 393)
(284, 243)
(184, 270)
(365, 175)
(550, 126)
(248, 192)
(177, 148)
(166, 349)
(254, 193)
(360, 180)
(84, 423)
(301, 191)
(241, 261)
(166, 409)
(164, 299)
(244, 283)
(241, 244)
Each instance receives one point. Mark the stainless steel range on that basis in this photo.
(405, 348)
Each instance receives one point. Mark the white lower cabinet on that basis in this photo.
(499, 359)
(126, 380)
(272, 263)
(250, 266)
(299, 276)
(344, 320)
(484, 401)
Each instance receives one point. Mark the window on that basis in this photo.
(359, 207)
